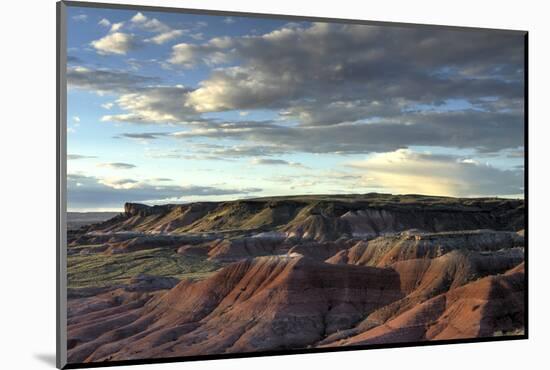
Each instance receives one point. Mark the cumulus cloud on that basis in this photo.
(104, 22)
(189, 55)
(404, 172)
(333, 73)
(139, 18)
(149, 24)
(327, 88)
(115, 27)
(117, 165)
(372, 84)
(118, 43)
(165, 36)
(155, 104)
(106, 81)
(93, 192)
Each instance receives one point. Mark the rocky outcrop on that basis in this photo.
(386, 250)
(422, 279)
(230, 250)
(236, 249)
(487, 307)
(322, 218)
(321, 250)
(142, 210)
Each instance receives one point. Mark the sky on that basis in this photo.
(172, 108)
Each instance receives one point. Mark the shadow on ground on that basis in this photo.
(46, 358)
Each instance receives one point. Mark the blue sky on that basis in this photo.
(179, 107)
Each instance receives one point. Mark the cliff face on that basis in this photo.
(322, 217)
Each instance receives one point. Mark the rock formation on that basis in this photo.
(295, 272)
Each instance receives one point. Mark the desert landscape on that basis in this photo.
(294, 272)
(241, 185)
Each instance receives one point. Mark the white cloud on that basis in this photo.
(104, 22)
(229, 20)
(161, 104)
(139, 18)
(276, 162)
(149, 24)
(76, 119)
(115, 27)
(80, 18)
(404, 172)
(211, 53)
(115, 43)
(93, 192)
(154, 25)
(116, 183)
(107, 105)
(117, 165)
(165, 36)
(79, 156)
(330, 74)
(105, 80)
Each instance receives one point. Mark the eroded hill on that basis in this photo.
(294, 272)
(322, 217)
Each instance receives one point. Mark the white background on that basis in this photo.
(27, 195)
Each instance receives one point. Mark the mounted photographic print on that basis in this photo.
(234, 184)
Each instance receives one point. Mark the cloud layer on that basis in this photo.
(331, 73)
(346, 88)
(115, 43)
(117, 165)
(301, 94)
(92, 192)
(405, 172)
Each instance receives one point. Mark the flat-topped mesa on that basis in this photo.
(137, 209)
(323, 217)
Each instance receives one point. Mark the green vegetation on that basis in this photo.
(97, 270)
(500, 333)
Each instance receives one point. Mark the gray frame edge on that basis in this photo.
(61, 172)
(286, 17)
